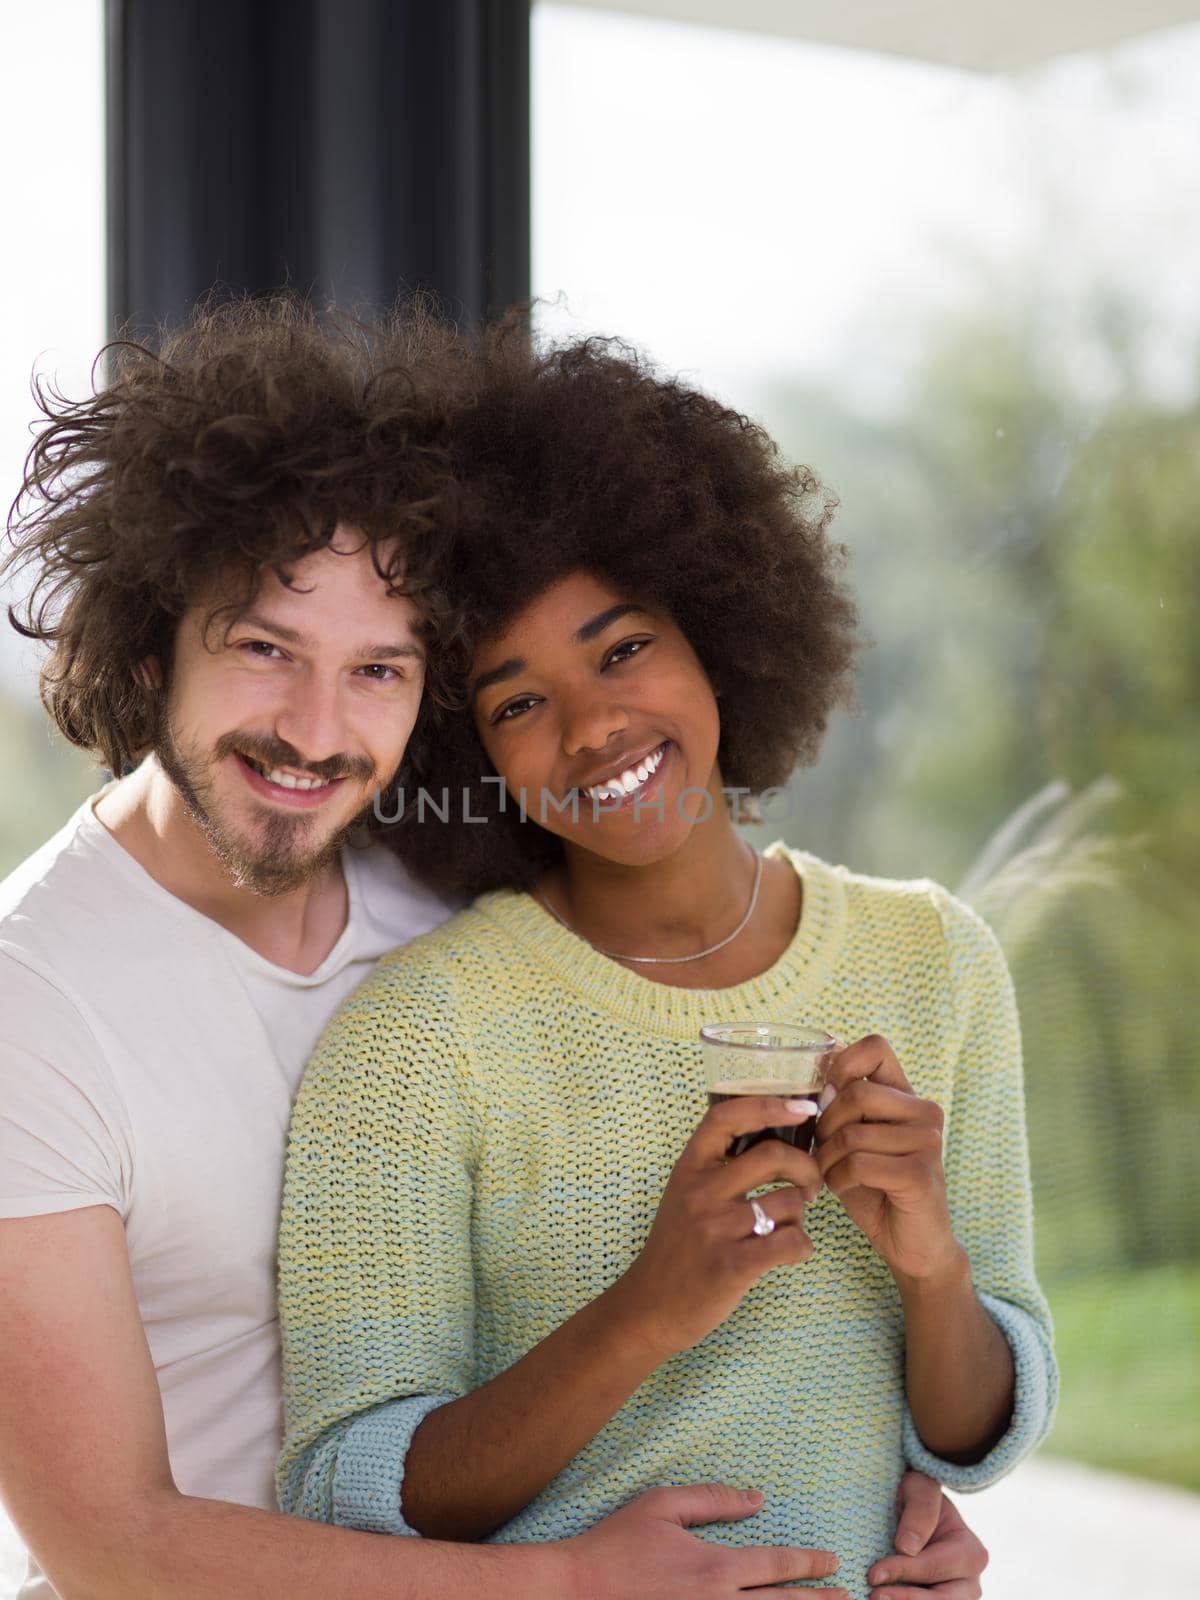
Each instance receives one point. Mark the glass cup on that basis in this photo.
(751, 1058)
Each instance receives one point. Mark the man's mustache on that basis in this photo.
(270, 753)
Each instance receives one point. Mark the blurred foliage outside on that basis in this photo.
(1027, 560)
(1131, 1393)
(1028, 567)
(44, 779)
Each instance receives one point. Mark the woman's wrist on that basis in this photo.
(636, 1325)
(948, 1272)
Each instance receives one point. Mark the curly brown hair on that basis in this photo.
(581, 457)
(235, 446)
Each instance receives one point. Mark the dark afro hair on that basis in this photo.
(581, 457)
(228, 448)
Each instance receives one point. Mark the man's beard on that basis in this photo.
(277, 861)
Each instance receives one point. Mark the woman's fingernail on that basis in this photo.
(826, 1098)
(806, 1108)
(909, 1542)
(882, 1576)
(754, 1497)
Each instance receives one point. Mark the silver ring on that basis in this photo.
(763, 1224)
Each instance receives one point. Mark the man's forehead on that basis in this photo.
(317, 600)
(311, 585)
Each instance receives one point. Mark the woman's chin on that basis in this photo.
(641, 845)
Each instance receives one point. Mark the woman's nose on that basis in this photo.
(591, 726)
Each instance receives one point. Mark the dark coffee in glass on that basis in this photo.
(797, 1134)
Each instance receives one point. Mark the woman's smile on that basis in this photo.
(628, 785)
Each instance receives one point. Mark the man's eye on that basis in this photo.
(253, 646)
(396, 676)
(514, 708)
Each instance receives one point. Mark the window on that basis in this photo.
(968, 301)
(53, 284)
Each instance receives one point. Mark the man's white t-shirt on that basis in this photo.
(148, 1061)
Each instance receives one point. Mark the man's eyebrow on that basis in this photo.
(375, 652)
(597, 625)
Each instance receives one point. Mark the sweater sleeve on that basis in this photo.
(988, 1184)
(376, 1297)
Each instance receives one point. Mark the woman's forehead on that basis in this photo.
(570, 606)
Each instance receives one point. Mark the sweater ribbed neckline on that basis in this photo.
(661, 1007)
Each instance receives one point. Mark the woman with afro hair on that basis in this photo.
(522, 1275)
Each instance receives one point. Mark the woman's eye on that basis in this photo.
(626, 649)
(514, 708)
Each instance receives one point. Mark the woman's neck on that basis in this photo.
(683, 904)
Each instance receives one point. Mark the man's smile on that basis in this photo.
(293, 791)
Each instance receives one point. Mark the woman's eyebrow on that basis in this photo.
(584, 635)
(597, 625)
(506, 669)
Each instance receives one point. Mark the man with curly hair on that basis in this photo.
(232, 545)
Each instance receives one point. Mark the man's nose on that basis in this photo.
(312, 720)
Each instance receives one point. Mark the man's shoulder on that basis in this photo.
(46, 886)
(45, 931)
(393, 900)
(65, 912)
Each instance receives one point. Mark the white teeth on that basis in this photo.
(631, 779)
(285, 780)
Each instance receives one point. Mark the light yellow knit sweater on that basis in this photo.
(478, 1150)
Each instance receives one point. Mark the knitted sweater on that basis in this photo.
(478, 1150)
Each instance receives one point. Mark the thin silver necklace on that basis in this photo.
(667, 961)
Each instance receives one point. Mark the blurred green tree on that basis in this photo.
(1028, 565)
(44, 780)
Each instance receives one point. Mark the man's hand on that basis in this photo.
(643, 1552)
(879, 1149)
(937, 1554)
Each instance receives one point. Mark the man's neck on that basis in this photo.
(145, 815)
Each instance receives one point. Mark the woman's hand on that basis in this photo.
(879, 1149)
(702, 1253)
(521, 1428)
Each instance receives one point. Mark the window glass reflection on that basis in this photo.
(52, 290)
(969, 302)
